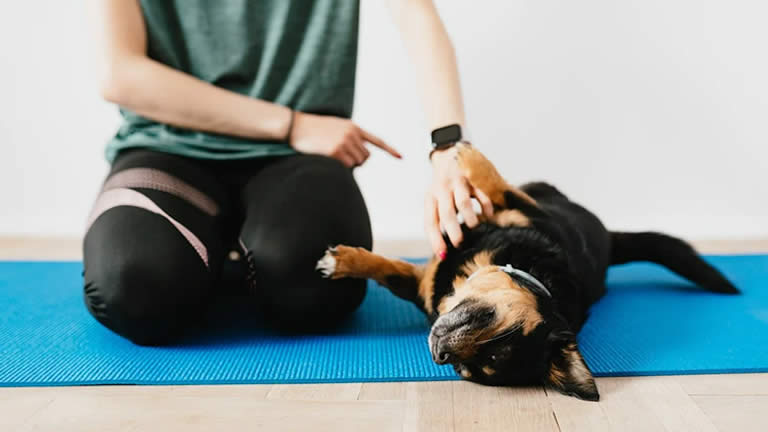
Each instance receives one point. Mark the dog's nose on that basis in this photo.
(444, 357)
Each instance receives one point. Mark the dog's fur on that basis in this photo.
(498, 328)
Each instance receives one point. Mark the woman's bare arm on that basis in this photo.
(431, 52)
(156, 91)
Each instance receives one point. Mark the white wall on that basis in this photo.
(652, 113)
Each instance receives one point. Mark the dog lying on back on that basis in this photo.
(506, 305)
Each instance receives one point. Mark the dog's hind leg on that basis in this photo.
(483, 175)
(402, 278)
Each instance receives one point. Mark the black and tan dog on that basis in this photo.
(506, 305)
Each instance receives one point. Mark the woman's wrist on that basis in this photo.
(441, 156)
(291, 122)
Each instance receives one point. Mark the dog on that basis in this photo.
(507, 304)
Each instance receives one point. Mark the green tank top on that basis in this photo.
(300, 54)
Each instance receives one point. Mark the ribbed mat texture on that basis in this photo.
(651, 322)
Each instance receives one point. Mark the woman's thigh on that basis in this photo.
(295, 207)
(153, 247)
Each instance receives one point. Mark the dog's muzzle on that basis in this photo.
(453, 335)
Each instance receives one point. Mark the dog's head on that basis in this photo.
(497, 329)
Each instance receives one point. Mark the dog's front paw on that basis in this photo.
(341, 261)
(327, 264)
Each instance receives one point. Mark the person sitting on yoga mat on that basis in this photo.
(237, 146)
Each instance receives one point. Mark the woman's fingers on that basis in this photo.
(357, 151)
(378, 142)
(451, 192)
(432, 225)
(447, 212)
(463, 202)
(362, 151)
(485, 203)
(345, 157)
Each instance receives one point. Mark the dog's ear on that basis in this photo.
(568, 373)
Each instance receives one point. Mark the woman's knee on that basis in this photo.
(146, 290)
(144, 302)
(120, 299)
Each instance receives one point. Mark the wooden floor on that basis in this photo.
(673, 403)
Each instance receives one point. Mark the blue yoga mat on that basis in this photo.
(650, 323)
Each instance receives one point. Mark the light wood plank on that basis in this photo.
(82, 413)
(17, 406)
(482, 408)
(383, 391)
(576, 415)
(669, 402)
(86, 391)
(651, 403)
(335, 392)
(40, 248)
(429, 407)
(725, 384)
(622, 403)
(736, 413)
(250, 391)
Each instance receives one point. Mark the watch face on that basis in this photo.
(445, 135)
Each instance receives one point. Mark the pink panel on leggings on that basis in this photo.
(129, 197)
(158, 180)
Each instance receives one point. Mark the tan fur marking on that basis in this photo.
(488, 370)
(360, 263)
(576, 373)
(556, 376)
(466, 373)
(427, 284)
(482, 259)
(510, 218)
(515, 305)
(578, 369)
(483, 175)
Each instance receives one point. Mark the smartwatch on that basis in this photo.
(445, 137)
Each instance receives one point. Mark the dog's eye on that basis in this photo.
(493, 357)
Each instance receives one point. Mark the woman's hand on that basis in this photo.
(335, 137)
(450, 191)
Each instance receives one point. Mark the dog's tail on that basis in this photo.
(673, 253)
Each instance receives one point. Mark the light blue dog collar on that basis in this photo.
(517, 272)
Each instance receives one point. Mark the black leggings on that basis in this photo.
(166, 233)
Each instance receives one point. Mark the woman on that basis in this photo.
(237, 140)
